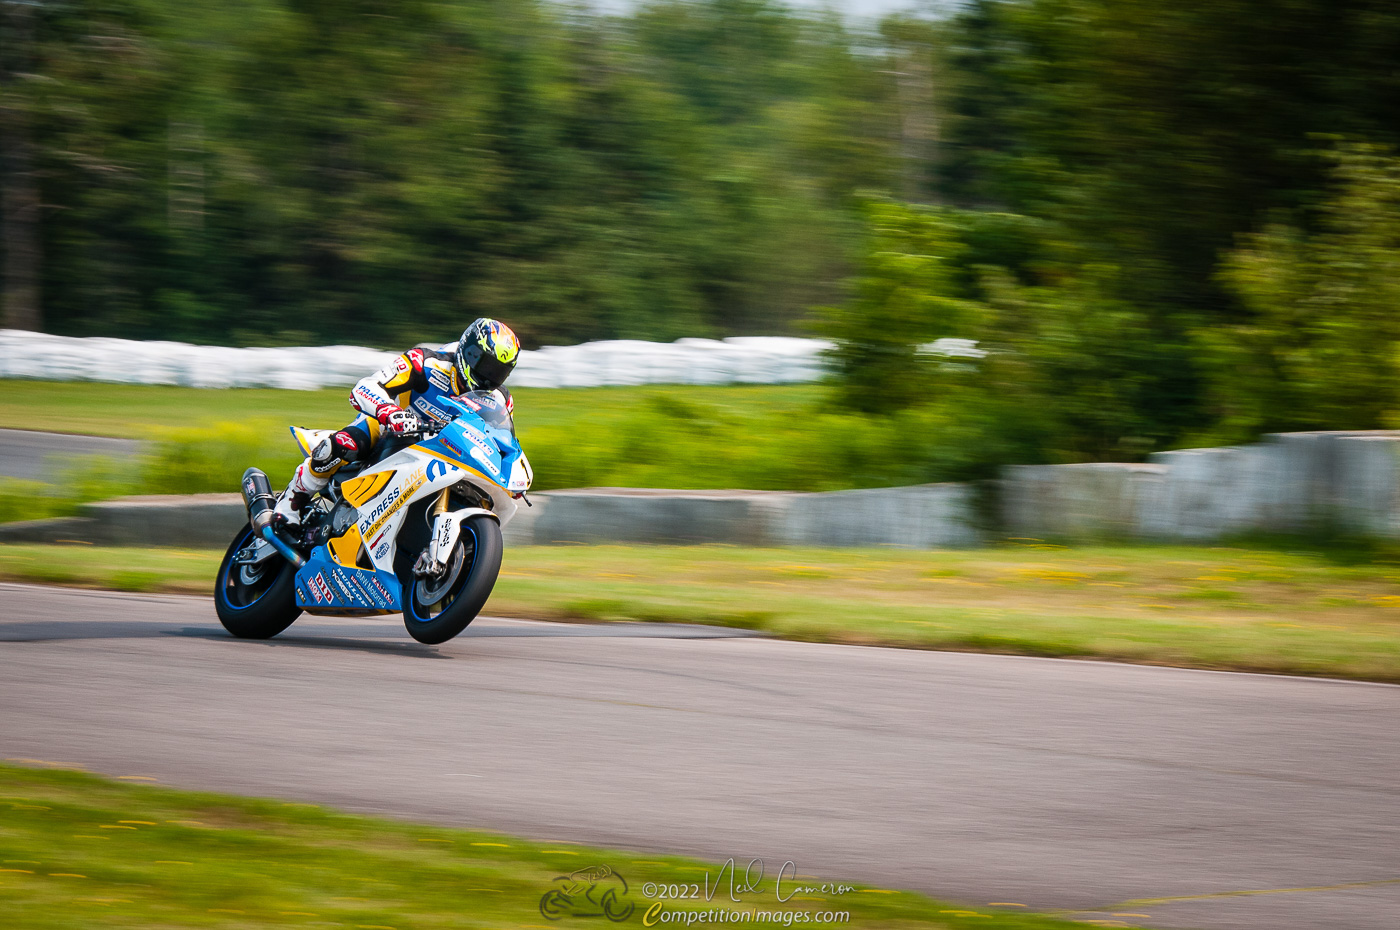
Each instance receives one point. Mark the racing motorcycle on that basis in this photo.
(416, 529)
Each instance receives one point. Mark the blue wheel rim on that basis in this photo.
(412, 598)
(228, 568)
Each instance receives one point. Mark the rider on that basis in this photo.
(396, 400)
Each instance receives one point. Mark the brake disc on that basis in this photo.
(428, 592)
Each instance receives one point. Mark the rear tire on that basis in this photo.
(255, 604)
(462, 599)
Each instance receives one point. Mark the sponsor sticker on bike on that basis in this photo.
(391, 502)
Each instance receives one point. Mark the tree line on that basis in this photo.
(1165, 223)
(281, 171)
(1168, 224)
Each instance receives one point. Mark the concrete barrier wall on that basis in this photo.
(1289, 483)
(927, 516)
(1097, 499)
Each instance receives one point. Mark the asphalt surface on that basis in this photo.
(42, 456)
(1246, 801)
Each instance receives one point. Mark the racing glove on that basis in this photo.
(398, 421)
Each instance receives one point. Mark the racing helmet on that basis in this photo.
(486, 355)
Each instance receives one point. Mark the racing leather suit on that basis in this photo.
(412, 382)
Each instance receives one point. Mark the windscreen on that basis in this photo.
(487, 406)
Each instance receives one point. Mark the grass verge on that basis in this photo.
(81, 851)
(768, 437)
(1238, 609)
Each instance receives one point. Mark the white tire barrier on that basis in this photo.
(739, 360)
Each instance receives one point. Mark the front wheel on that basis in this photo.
(435, 610)
(255, 601)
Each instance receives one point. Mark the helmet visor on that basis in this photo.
(486, 372)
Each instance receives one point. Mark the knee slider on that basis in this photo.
(325, 459)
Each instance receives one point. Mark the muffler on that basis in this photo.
(259, 499)
(261, 502)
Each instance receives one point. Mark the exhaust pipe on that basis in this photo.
(260, 501)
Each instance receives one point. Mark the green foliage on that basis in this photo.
(1149, 138)
(278, 172)
(1072, 371)
(187, 859)
(31, 500)
(198, 460)
(96, 478)
(1321, 349)
(1081, 371)
(903, 299)
(1157, 133)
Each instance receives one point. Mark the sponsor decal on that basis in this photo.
(437, 468)
(382, 552)
(432, 410)
(444, 538)
(319, 590)
(401, 364)
(340, 589)
(485, 460)
(379, 586)
(478, 440)
(386, 502)
(357, 579)
(440, 378)
(387, 507)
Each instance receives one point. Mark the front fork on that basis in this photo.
(447, 530)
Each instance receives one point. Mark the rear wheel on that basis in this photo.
(435, 610)
(255, 601)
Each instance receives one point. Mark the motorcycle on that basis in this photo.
(416, 529)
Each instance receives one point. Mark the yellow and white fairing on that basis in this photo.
(382, 496)
(308, 439)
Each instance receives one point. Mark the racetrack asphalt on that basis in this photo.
(1195, 798)
(45, 456)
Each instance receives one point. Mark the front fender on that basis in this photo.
(447, 529)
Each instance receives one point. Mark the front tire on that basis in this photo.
(434, 612)
(255, 602)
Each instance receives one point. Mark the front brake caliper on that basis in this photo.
(425, 567)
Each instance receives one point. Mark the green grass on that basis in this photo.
(798, 437)
(1241, 609)
(81, 851)
(138, 411)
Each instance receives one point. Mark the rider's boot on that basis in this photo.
(314, 474)
(303, 486)
(310, 477)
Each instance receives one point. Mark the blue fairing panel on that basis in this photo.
(470, 445)
(323, 584)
